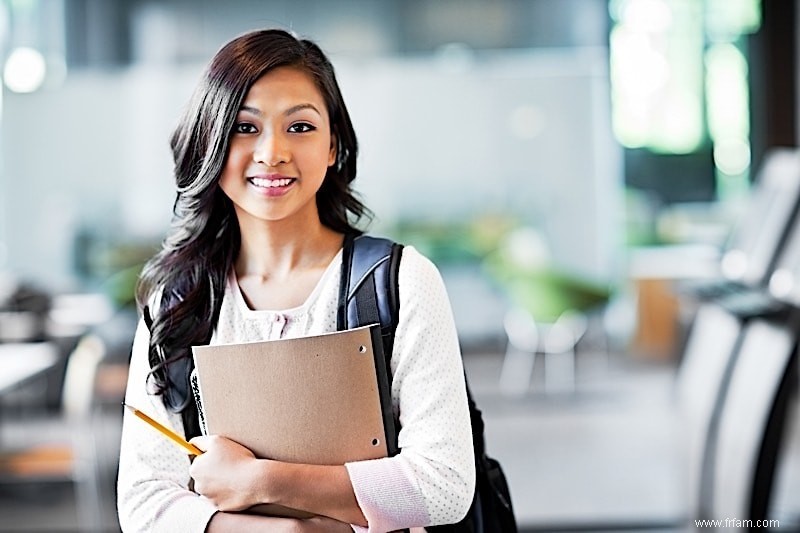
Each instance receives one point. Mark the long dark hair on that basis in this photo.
(186, 278)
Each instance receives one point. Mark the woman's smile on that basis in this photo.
(272, 184)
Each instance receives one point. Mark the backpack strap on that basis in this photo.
(368, 294)
(368, 291)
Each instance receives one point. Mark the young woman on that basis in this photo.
(265, 155)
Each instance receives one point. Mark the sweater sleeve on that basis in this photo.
(431, 481)
(152, 484)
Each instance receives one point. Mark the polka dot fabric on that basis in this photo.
(430, 482)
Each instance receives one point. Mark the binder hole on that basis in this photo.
(362, 349)
(375, 442)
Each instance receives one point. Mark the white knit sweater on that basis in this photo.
(429, 482)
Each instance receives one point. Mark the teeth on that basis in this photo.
(261, 182)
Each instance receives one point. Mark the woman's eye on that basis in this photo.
(244, 127)
(301, 127)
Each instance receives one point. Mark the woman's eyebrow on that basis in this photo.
(300, 107)
(291, 110)
(250, 109)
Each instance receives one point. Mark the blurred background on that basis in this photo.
(609, 188)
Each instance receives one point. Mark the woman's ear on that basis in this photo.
(333, 152)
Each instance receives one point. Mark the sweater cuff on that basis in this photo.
(195, 512)
(387, 495)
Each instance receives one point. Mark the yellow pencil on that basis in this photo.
(177, 439)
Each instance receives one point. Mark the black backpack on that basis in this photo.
(368, 294)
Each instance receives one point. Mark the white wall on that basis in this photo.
(524, 133)
(92, 153)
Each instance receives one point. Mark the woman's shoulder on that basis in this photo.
(418, 273)
(412, 258)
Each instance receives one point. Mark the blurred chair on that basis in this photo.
(711, 349)
(523, 344)
(63, 449)
(752, 421)
(547, 313)
(736, 370)
(556, 342)
(733, 386)
(756, 241)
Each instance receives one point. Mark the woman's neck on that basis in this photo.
(277, 249)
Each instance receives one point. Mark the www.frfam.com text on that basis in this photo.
(737, 523)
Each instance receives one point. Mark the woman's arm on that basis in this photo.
(432, 480)
(231, 477)
(235, 523)
(152, 485)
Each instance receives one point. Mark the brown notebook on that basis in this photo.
(323, 399)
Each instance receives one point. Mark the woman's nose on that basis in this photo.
(271, 150)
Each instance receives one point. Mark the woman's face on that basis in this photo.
(280, 149)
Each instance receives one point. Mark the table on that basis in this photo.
(21, 362)
(655, 272)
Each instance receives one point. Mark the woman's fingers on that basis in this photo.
(224, 473)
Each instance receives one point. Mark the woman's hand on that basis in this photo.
(235, 522)
(233, 479)
(227, 473)
(320, 524)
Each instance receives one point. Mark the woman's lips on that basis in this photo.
(272, 185)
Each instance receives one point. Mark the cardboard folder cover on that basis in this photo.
(318, 400)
